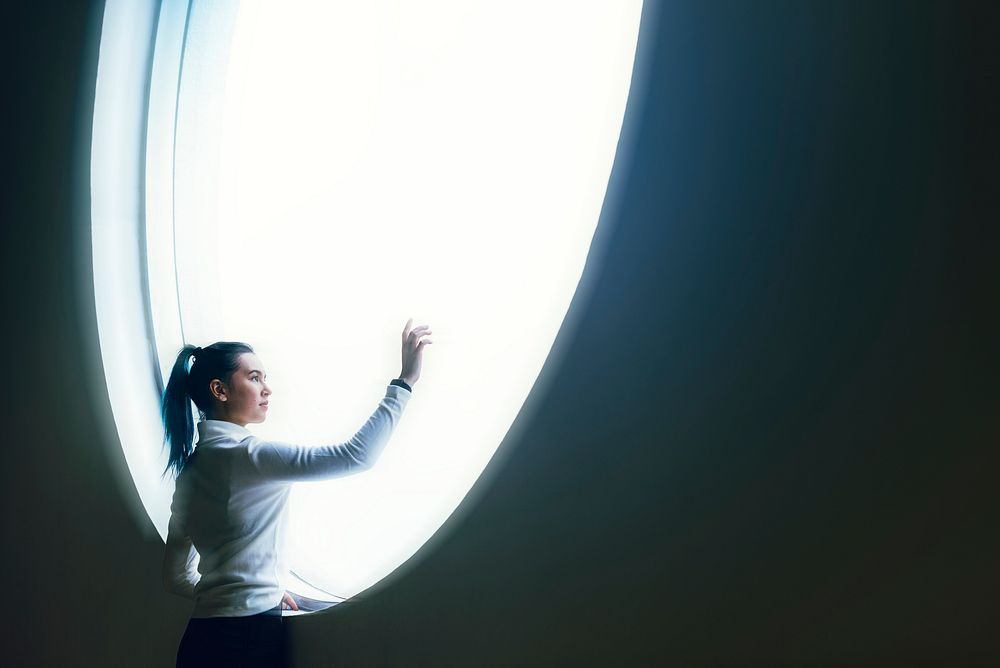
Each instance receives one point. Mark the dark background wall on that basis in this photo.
(773, 436)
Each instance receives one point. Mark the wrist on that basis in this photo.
(404, 382)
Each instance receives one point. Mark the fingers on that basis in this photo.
(413, 335)
(417, 332)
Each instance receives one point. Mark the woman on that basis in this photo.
(229, 506)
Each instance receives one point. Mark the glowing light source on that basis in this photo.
(320, 171)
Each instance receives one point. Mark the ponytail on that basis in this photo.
(190, 383)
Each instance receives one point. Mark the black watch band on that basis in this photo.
(401, 383)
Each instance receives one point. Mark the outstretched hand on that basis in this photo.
(413, 348)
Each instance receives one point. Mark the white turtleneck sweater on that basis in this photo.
(224, 540)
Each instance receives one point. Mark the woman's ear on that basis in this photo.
(218, 389)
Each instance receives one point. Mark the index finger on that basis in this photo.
(406, 328)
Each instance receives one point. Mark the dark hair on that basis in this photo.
(218, 360)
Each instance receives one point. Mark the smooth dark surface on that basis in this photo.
(772, 439)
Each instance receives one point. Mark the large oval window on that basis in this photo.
(305, 176)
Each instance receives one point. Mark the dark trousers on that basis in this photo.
(257, 640)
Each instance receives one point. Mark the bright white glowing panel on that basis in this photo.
(342, 166)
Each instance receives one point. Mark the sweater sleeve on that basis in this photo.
(180, 560)
(286, 462)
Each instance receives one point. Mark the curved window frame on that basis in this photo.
(142, 54)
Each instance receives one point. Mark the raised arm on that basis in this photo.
(284, 461)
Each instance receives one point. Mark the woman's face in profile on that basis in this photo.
(248, 392)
